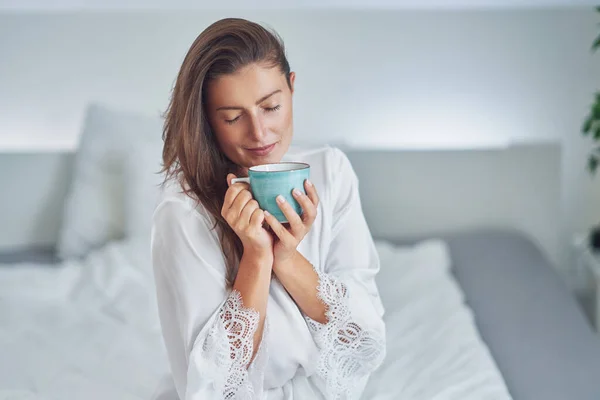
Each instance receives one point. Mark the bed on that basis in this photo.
(475, 308)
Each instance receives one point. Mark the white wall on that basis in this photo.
(416, 78)
(54, 5)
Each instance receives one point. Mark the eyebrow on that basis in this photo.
(257, 103)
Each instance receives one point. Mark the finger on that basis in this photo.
(230, 176)
(283, 234)
(311, 192)
(240, 201)
(292, 216)
(309, 209)
(257, 218)
(247, 212)
(231, 195)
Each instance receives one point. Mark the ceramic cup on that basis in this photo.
(267, 181)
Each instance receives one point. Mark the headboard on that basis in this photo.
(405, 193)
(410, 194)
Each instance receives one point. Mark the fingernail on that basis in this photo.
(280, 199)
(308, 182)
(266, 213)
(296, 192)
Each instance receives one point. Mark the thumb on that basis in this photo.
(229, 178)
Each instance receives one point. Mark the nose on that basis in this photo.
(257, 128)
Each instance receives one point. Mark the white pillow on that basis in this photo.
(94, 207)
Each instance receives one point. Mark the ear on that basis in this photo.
(292, 79)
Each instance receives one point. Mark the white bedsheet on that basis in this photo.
(85, 330)
(88, 329)
(434, 350)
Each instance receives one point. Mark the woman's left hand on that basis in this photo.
(288, 238)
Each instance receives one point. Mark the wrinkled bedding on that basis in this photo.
(89, 329)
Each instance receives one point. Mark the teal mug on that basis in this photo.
(267, 181)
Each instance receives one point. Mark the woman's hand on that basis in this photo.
(288, 238)
(243, 215)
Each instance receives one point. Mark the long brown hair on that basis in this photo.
(191, 153)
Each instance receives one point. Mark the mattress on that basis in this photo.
(37, 255)
(534, 327)
(538, 334)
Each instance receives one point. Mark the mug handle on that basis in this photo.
(236, 180)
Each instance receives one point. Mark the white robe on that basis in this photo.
(298, 358)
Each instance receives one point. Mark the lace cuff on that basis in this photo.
(228, 348)
(349, 351)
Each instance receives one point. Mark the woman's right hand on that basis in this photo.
(245, 217)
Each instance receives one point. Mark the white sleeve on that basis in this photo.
(352, 342)
(207, 331)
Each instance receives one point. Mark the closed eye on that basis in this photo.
(271, 109)
(232, 121)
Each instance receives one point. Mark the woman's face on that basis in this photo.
(250, 113)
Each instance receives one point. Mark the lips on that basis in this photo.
(262, 151)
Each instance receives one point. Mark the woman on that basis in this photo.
(251, 308)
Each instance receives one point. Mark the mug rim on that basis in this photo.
(303, 164)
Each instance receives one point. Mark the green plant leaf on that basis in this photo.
(596, 43)
(596, 110)
(597, 132)
(587, 125)
(592, 164)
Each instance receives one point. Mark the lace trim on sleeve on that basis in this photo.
(228, 348)
(349, 352)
